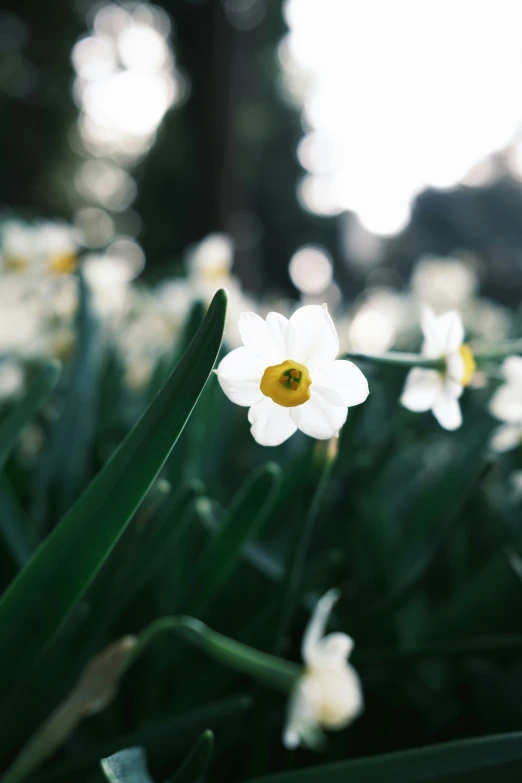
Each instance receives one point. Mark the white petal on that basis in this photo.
(341, 695)
(512, 369)
(456, 366)
(506, 437)
(277, 326)
(319, 419)
(451, 331)
(333, 649)
(447, 411)
(316, 627)
(311, 338)
(429, 325)
(271, 423)
(259, 339)
(506, 403)
(421, 389)
(341, 383)
(239, 374)
(302, 723)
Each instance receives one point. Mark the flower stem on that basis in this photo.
(270, 670)
(408, 360)
(397, 359)
(327, 452)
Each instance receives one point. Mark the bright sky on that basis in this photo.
(399, 95)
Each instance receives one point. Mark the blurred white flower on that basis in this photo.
(329, 693)
(18, 246)
(43, 248)
(487, 320)
(443, 283)
(506, 405)
(11, 378)
(378, 319)
(210, 261)
(209, 267)
(439, 391)
(288, 375)
(108, 279)
(56, 247)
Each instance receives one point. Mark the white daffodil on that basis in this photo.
(18, 246)
(288, 375)
(329, 694)
(57, 247)
(506, 405)
(434, 390)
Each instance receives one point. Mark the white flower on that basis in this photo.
(435, 390)
(18, 246)
(210, 261)
(56, 245)
(11, 378)
(506, 405)
(287, 373)
(328, 695)
(441, 282)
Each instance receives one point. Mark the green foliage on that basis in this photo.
(413, 525)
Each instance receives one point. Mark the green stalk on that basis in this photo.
(397, 359)
(268, 669)
(409, 360)
(301, 543)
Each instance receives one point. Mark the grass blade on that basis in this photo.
(26, 408)
(451, 761)
(250, 509)
(37, 603)
(197, 761)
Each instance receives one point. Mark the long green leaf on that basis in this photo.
(250, 509)
(450, 761)
(39, 600)
(26, 408)
(197, 761)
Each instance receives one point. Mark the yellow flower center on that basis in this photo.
(287, 384)
(469, 364)
(63, 263)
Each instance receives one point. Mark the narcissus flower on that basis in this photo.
(439, 390)
(288, 375)
(329, 693)
(506, 405)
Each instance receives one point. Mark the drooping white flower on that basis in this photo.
(288, 375)
(434, 390)
(329, 694)
(506, 405)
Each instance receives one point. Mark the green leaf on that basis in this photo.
(40, 599)
(94, 691)
(26, 408)
(13, 529)
(452, 761)
(197, 761)
(63, 467)
(171, 732)
(126, 766)
(250, 509)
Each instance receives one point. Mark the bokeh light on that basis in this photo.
(399, 96)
